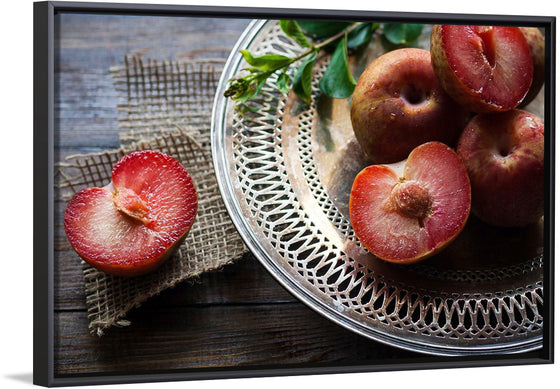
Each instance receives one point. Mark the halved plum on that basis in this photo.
(406, 212)
(132, 225)
(484, 68)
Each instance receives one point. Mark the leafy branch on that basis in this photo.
(337, 81)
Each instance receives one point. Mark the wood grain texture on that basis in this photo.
(237, 316)
(87, 46)
(162, 338)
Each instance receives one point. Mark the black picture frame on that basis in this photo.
(43, 168)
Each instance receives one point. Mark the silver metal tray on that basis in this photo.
(285, 173)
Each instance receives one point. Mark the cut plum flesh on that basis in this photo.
(493, 63)
(129, 226)
(164, 185)
(408, 218)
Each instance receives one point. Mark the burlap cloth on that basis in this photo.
(163, 106)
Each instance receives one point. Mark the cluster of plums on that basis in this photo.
(446, 136)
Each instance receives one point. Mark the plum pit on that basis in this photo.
(410, 199)
(128, 202)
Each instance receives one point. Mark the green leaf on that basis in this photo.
(317, 30)
(266, 62)
(244, 108)
(361, 35)
(398, 33)
(337, 81)
(303, 78)
(291, 29)
(283, 82)
(259, 84)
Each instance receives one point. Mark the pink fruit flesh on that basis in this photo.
(130, 226)
(493, 63)
(406, 219)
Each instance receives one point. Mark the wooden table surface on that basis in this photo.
(239, 316)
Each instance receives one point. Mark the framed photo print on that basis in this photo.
(241, 192)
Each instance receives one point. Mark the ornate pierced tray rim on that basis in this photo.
(226, 187)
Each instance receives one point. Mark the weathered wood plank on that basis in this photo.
(89, 45)
(179, 338)
(101, 41)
